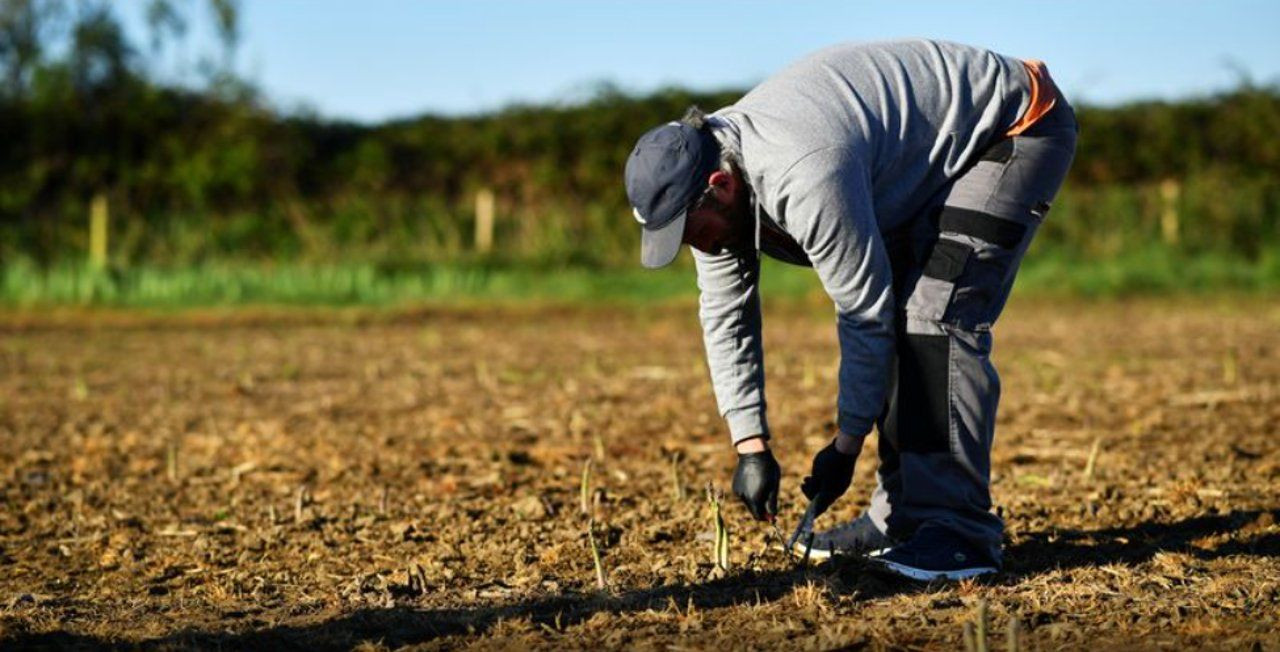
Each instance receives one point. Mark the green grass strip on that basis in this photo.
(1154, 271)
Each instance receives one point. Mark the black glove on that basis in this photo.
(756, 483)
(830, 477)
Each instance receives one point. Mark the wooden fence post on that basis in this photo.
(484, 220)
(98, 231)
(1169, 227)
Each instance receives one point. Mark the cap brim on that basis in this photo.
(660, 246)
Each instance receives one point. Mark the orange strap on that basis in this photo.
(1044, 96)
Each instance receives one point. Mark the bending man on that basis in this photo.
(911, 176)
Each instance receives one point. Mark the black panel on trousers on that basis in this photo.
(948, 260)
(1002, 232)
(923, 406)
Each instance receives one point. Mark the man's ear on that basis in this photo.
(725, 185)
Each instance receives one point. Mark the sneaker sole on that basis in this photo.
(922, 575)
(823, 553)
(814, 553)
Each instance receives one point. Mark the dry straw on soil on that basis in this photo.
(419, 481)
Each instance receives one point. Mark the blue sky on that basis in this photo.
(376, 59)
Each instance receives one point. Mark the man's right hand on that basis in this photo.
(830, 476)
(756, 483)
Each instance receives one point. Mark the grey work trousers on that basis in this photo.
(953, 269)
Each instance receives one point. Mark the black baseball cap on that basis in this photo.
(667, 170)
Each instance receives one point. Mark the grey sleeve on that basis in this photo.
(729, 309)
(828, 208)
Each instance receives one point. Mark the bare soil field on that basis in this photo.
(329, 481)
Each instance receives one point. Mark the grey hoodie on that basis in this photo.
(838, 148)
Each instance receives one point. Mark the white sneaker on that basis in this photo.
(857, 537)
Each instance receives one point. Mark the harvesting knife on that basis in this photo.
(805, 528)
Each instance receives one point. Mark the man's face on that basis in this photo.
(721, 221)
